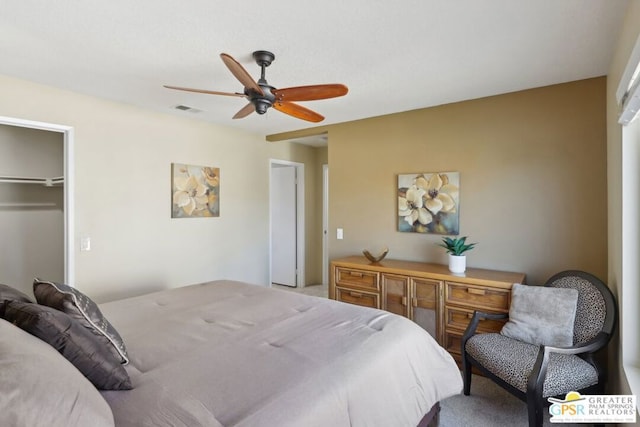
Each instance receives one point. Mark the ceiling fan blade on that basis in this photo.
(210, 92)
(240, 73)
(310, 93)
(245, 111)
(298, 111)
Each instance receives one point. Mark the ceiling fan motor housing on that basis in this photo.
(262, 102)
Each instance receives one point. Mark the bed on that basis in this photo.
(226, 353)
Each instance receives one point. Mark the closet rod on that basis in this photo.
(48, 182)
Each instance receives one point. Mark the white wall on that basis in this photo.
(123, 159)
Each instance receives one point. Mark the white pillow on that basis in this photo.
(542, 315)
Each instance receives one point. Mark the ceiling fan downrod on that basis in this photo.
(263, 102)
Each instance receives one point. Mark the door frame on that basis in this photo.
(325, 224)
(300, 223)
(68, 159)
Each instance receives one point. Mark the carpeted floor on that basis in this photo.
(487, 406)
(314, 290)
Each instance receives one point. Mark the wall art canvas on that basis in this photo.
(429, 203)
(195, 191)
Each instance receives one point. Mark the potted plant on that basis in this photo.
(456, 248)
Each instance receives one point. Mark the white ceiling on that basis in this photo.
(393, 55)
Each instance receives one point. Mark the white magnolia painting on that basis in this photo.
(195, 191)
(429, 203)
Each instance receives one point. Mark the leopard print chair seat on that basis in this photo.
(533, 373)
(513, 360)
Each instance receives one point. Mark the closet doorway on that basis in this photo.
(36, 206)
(286, 205)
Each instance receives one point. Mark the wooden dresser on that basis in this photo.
(429, 294)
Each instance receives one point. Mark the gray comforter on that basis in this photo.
(227, 353)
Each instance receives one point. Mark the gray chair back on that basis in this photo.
(595, 311)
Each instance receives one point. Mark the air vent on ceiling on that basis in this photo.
(187, 108)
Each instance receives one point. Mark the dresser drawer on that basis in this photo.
(348, 277)
(364, 299)
(459, 318)
(477, 297)
(453, 344)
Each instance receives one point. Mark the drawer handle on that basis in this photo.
(414, 302)
(476, 291)
(355, 274)
(404, 301)
(355, 294)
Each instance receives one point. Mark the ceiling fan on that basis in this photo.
(261, 95)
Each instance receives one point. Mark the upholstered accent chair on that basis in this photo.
(533, 373)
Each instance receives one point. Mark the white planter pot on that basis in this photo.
(457, 264)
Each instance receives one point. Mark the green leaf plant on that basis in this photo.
(457, 246)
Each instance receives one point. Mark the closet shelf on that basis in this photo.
(47, 182)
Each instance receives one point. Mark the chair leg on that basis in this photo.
(466, 375)
(534, 410)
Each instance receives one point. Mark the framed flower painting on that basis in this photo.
(429, 203)
(195, 191)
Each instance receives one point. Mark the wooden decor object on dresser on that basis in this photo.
(429, 294)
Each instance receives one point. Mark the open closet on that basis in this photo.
(32, 206)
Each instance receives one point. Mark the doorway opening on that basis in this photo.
(66, 181)
(287, 225)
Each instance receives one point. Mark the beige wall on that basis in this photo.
(122, 195)
(629, 33)
(532, 175)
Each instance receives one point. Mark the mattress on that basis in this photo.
(227, 353)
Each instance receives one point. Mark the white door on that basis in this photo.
(283, 225)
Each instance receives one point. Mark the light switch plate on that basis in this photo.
(85, 244)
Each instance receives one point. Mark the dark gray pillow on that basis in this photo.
(542, 315)
(83, 309)
(7, 293)
(75, 342)
(40, 388)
